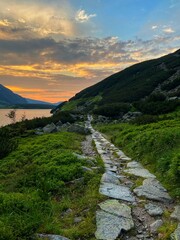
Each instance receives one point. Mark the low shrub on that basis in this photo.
(7, 143)
(112, 109)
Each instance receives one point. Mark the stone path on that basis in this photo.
(131, 211)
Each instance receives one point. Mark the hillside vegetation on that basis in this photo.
(39, 192)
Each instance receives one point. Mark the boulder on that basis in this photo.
(130, 116)
(63, 127)
(59, 123)
(50, 128)
(78, 129)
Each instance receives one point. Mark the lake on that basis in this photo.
(28, 113)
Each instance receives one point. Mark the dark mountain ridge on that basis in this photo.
(136, 83)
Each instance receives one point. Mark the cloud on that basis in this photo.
(168, 30)
(4, 23)
(39, 19)
(82, 16)
(154, 27)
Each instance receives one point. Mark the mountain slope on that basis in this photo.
(32, 101)
(10, 99)
(134, 83)
(7, 97)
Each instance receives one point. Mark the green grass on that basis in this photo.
(156, 145)
(36, 189)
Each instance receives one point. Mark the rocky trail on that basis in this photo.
(137, 204)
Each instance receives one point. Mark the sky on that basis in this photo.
(52, 49)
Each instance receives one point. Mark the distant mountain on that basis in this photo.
(8, 98)
(31, 101)
(151, 81)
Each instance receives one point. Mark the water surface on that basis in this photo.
(28, 113)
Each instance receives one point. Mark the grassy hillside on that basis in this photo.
(156, 145)
(37, 194)
(132, 85)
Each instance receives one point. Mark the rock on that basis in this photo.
(77, 219)
(86, 169)
(134, 164)
(78, 129)
(59, 123)
(152, 189)
(108, 226)
(138, 170)
(68, 211)
(51, 237)
(77, 180)
(130, 116)
(39, 133)
(176, 234)
(110, 167)
(140, 236)
(153, 210)
(109, 178)
(155, 225)
(116, 191)
(125, 158)
(118, 209)
(63, 127)
(176, 213)
(50, 128)
(114, 218)
(89, 160)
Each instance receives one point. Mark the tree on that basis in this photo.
(12, 115)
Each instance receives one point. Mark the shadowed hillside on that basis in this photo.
(155, 80)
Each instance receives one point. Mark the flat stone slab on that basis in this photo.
(134, 164)
(176, 234)
(137, 169)
(125, 158)
(110, 167)
(112, 219)
(116, 191)
(152, 189)
(109, 178)
(153, 209)
(176, 213)
(139, 172)
(118, 209)
(108, 227)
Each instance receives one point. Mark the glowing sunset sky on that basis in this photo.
(51, 49)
